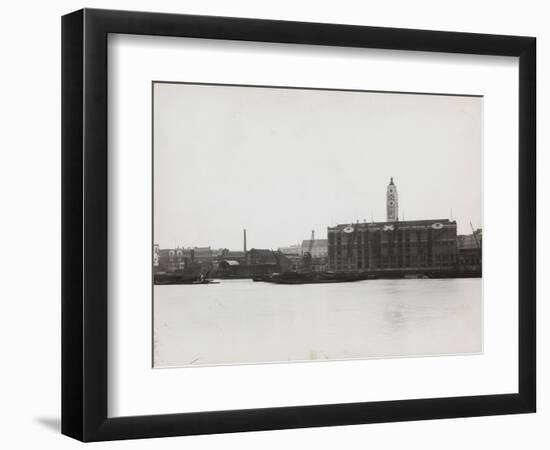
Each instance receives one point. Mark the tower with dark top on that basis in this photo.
(391, 202)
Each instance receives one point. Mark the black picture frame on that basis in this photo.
(84, 224)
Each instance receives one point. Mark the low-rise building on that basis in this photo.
(179, 258)
(170, 260)
(291, 250)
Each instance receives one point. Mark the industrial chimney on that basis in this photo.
(244, 245)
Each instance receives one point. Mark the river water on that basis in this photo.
(241, 321)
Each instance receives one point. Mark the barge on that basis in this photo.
(311, 277)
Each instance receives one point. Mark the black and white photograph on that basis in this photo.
(275, 225)
(298, 225)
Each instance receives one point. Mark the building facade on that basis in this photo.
(414, 245)
(179, 258)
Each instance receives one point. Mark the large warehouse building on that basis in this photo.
(394, 245)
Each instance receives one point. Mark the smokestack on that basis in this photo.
(244, 235)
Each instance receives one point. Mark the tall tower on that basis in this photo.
(391, 202)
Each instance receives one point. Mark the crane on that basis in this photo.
(475, 236)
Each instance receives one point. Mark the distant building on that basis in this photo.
(156, 255)
(228, 264)
(470, 241)
(170, 260)
(413, 244)
(295, 262)
(292, 250)
(216, 253)
(394, 246)
(233, 254)
(201, 254)
(469, 250)
(319, 248)
(179, 258)
(258, 256)
(257, 262)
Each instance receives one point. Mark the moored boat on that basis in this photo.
(313, 277)
(161, 278)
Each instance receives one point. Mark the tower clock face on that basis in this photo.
(391, 203)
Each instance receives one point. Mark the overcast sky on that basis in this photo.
(281, 162)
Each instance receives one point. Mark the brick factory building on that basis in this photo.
(423, 244)
(399, 246)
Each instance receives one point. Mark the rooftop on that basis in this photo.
(317, 243)
(397, 223)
